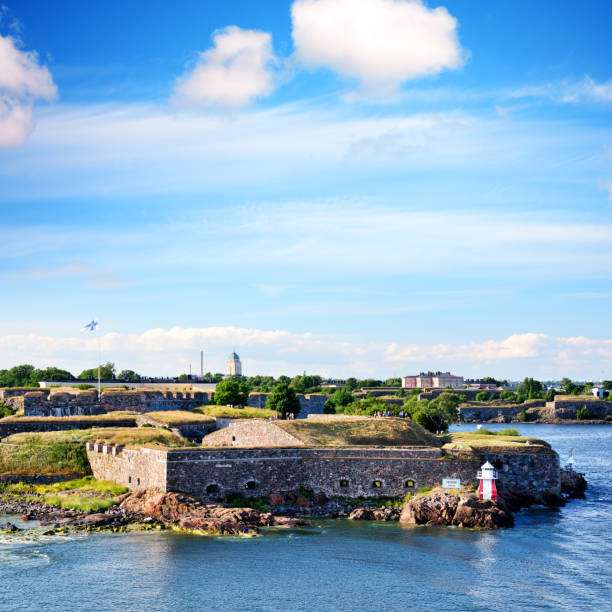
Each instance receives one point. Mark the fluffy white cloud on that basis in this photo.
(22, 80)
(382, 43)
(238, 69)
(517, 346)
(168, 351)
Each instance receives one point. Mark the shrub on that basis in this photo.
(483, 396)
(508, 431)
(5, 410)
(79, 502)
(583, 414)
(85, 386)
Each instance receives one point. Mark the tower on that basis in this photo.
(487, 476)
(233, 367)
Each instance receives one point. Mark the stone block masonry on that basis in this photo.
(49, 402)
(347, 472)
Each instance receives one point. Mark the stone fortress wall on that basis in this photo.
(349, 472)
(566, 406)
(61, 402)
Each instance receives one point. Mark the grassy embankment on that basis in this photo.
(359, 431)
(86, 493)
(63, 452)
(97, 418)
(504, 441)
(179, 417)
(235, 413)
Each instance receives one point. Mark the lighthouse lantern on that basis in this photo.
(487, 476)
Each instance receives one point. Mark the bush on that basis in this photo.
(508, 431)
(483, 396)
(85, 386)
(5, 410)
(583, 414)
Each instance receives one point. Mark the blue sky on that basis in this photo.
(371, 187)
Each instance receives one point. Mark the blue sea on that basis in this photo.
(552, 560)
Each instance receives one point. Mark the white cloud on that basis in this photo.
(22, 81)
(381, 43)
(167, 351)
(607, 186)
(567, 92)
(235, 71)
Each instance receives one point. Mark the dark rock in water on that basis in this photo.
(465, 511)
(9, 528)
(483, 513)
(573, 484)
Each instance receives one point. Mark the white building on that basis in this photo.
(233, 367)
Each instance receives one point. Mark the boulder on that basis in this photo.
(276, 499)
(573, 484)
(436, 507)
(442, 509)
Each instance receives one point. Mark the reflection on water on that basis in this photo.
(552, 559)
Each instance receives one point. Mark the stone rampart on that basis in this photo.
(252, 432)
(477, 414)
(7, 428)
(566, 407)
(347, 472)
(470, 394)
(141, 468)
(50, 402)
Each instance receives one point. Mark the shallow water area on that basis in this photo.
(553, 559)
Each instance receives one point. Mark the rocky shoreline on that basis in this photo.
(152, 509)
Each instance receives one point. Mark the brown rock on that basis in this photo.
(302, 501)
(276, 499)
(438, 507)
(486, 514)
(319, 499)
(361, 514)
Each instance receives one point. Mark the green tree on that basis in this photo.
(51, 373)
(128, 375)
(351, 384)
(583, 414)
(107, 372)
(18, 376)
(607, 385)
(338, 400)
(435, 415)
(231, 391)
(284, 400)
(483, 396)
(550, 395)
(530, 389)
(393, 382)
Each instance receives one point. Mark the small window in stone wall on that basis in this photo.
(344, 482)
(251, 484)
(138, 481)
(376, 484)
(233, 438)
(212, 488)
(408, 484)
(129, 480)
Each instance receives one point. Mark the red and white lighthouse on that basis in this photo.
(487, 476)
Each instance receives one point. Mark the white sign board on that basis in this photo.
(451, 483)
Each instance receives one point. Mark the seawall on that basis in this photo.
(345, 472)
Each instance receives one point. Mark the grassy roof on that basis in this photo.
(179, 417)
(121, 436)
(482, 442)
(359, 431)
(107, 417)
(236, 413)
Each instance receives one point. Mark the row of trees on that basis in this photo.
(28, 376)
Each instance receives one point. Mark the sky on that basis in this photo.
(366, 188)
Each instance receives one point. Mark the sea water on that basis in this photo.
(553, 559)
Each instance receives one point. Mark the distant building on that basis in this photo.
(600, 392)
(430, 380)
(233, 367)
(475, 383)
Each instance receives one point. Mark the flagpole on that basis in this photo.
(99, 366)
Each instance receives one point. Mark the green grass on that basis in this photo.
(120, 436)
(33, 458)
(484, 440)
(180, 417)
(79, 502)
(88, 483)
(236, 413)
(423, 490)
(359, 431)
(107, 417)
